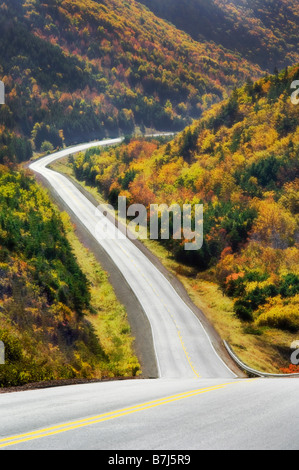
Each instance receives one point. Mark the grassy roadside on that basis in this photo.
(107, 315)
(265, 349)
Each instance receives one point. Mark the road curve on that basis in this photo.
(182, 346)
(196, 404)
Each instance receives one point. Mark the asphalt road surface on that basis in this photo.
(183, 348)
(196, 403)
(163, 414)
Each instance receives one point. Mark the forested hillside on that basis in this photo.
(241, 160)
(265, 32)
(79, 70)
(44, 295)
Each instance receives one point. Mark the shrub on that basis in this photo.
(289, 286)
(281, 316)
(243, 310)
(47, 147)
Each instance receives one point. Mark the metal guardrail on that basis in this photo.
(251, 371)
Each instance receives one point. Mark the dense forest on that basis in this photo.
(76, 71)
(241, 161)
(265, 32)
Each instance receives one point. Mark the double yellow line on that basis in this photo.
(50, 431)
(187, 356)
(196, 374)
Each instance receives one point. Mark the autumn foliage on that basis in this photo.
(265, 32)
(43, 292)
(90, 69)
(292, 369)
(241, 161)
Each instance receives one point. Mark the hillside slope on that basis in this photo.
(265, 32)
(43, 292)
(90, 69)
(51, 314)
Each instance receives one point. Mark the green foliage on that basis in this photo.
(45, 138)
(13, 348)
(266, 173)
(289, 286)
(243, 310)
(12, 148)
(43, 293)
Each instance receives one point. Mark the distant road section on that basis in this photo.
(182, 347)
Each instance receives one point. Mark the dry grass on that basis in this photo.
(265, 349)
(108, 316)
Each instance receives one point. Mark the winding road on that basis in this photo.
(196, 402)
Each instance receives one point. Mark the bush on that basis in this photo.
(13, 347)
(289, 286)
(284, 317)
(47, 147)
(243, 310)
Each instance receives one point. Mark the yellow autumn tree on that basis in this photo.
(275, 226)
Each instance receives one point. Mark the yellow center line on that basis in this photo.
(187, 355)
(172, 316)
(154, 290)
(9, 441)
